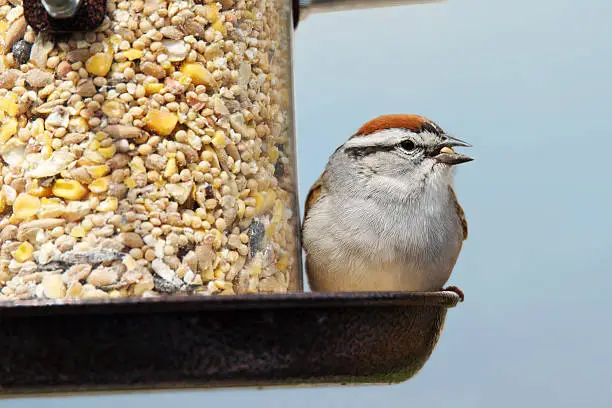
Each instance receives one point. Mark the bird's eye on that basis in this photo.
(407, 145)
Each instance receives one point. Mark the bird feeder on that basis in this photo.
(149, 218)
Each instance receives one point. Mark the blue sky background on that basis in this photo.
(528, 84)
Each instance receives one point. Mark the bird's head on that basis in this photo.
(404, 149)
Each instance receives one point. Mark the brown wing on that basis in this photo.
(460, 213)
(313, 194)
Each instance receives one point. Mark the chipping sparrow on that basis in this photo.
(383, 216)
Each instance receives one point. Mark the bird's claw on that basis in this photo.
(458, 291)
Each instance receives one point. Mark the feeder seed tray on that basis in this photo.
(195, 342)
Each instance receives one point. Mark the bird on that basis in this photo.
(383, 215)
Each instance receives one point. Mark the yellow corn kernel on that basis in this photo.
(2, 202)
(273, 155)
(198, 73)
(114, 39)
(153, 88)
(9, 107)
(46, 152)
(171, 168)
(218, 238)
(137, 165)
(113, 109)
(161, 122)
(259, 202)
(270, 199)
(38, 191)
(121, 66)
(132, 54)
(218, 26)
(38, 127)
(219, 140)
(94, 145)
(8, 129)
(99, 64)
(107, 152)
(51, 208)
(23, 252)
(78, 125)
(78, 232)
(129, 182)
(98, 171)
(256, 268)
(100, 185)
(219, 274)
(94, 157)
(69, 189)
(25, 206)
(110, 204)
(3, 26)
(211, 12)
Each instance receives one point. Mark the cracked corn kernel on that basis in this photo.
(23, 252)
(8, 129)
(198, 73)
(51, 208)
(94, 145)
(110, 204)
(259, 202)
(39, 191)
(161, 122)
(98, 171)
(99, 64)
(137, 165)
(132, 54)
(273, 155)
(171, 168)
(107, 152)
(100, 185)
(78, 232)
(153, 88)
(129, 182)
(211, 12)
(94, 157)
(219, 140)
(218, 26)
(69, 189)
(25, 206)
(9, 107)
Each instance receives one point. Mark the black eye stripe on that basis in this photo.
(361, 151)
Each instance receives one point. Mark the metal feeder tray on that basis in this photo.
(208, 342)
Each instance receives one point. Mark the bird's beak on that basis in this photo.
(450, 141)
(447, 155)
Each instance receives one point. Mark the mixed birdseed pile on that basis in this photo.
(152, 156)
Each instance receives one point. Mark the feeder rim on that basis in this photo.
(233, 302)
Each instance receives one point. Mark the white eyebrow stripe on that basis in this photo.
(384, 137)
